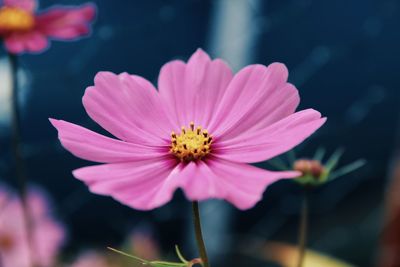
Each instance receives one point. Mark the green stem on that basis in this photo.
(199, 236)
(303, 229)
(16, 126)
(16, 147)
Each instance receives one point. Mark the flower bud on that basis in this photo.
(313, 172)
(309, 167)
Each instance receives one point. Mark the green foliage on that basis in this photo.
(183, 263)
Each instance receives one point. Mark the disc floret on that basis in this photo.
(15, 19)
(193, 143)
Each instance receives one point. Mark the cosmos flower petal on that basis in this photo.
(66, 23)
(271, 141)
(15, 43)
(172, 89)
(193, 90)
(251, 97)
(47, 235)
(115, 99)
(90, 259)
(89, 145)
(32, 41)
(240, 184)
(141, 185)
(28, 5)
(13, 222)
(281, 103)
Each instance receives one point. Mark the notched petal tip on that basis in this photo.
(280, 68)
(199, 59)
(200, 52)
(98, 78)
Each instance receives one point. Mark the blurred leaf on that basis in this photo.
(334, 159)
(151, 263)
(319, 154)
(347, 169)
(278, 163)
(128, 255)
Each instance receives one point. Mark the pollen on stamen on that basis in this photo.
(191, 144)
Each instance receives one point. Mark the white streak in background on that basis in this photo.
(234, 31)
(235, 27)
(5, 94)
(362, 107)
(319, 57)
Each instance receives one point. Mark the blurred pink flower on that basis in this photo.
(24, 30)
(90, 259)
(47, 235)
(245, 118)
(144, 245)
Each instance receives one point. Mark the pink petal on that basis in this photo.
(89, 145)
(12, 223)
(129, 107)
(141, 185)
(15, 44)
(256, 97)
(34, 41)
(48, 234)
(28, 5)
(193, 90)
(66, 22)
(240, 184)
(91, 259)
(150, 184)
(271, 141)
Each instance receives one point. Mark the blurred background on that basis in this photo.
(342, 56)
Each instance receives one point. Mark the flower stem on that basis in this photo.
(199, 236)
(16, 126)
(303, 229)
(17, 151)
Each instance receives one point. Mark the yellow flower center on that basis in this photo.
(191, 144)
(15, 19)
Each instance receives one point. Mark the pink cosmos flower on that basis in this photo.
(143, 244)
(24, 30)
(47, 235)
(198, 132)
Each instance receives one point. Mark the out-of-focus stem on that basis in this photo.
(16, 127)
(303, 229)
(17, 150)
(199, 235)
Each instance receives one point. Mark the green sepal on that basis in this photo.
(310, 180)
